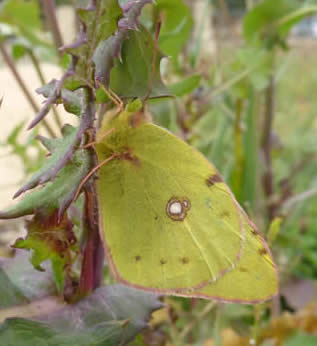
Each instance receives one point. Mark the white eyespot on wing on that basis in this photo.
(175, 208)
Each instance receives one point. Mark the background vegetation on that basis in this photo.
(246, 99)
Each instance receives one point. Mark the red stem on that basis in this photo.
(93, 252)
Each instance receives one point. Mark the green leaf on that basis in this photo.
(52, 239)
(176, 26)
(69, 99)
(262, 22)
(21, 12)
(111, 315)
(250, 145)
(20, 47)
(54, 195)
(133, 76)
(302, 340)
(185, 86)
(24, 17)
(60, 152)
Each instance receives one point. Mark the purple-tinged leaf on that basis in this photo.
(54, 96)
(111, 315)
(21, 277)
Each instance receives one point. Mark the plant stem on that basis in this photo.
(189, 327)
(93, 253)
(217, 329)
(23, 86)
(238, 145)
(50, 14)
(267, 145)
(40, 74)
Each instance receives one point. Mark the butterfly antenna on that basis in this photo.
(157, 34)
(113, 97)
(83, 182)
(88, 145)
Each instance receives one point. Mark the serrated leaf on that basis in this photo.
(50, 239)
(111, 315)
(54, 195)
(133, 76)
(60, 150)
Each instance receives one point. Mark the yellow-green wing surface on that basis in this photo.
(253, 280)
(170, 224)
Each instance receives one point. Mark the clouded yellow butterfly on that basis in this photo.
(169, 222)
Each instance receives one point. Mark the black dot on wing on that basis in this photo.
(185, 260)
(163, 261)
(138, 258)
(243, 270)
(224, 214)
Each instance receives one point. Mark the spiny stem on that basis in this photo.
(92, 250)
(50, 14)
(93, 253)
(23, 86)
(40, 74)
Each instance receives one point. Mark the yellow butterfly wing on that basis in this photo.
(170, 224)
